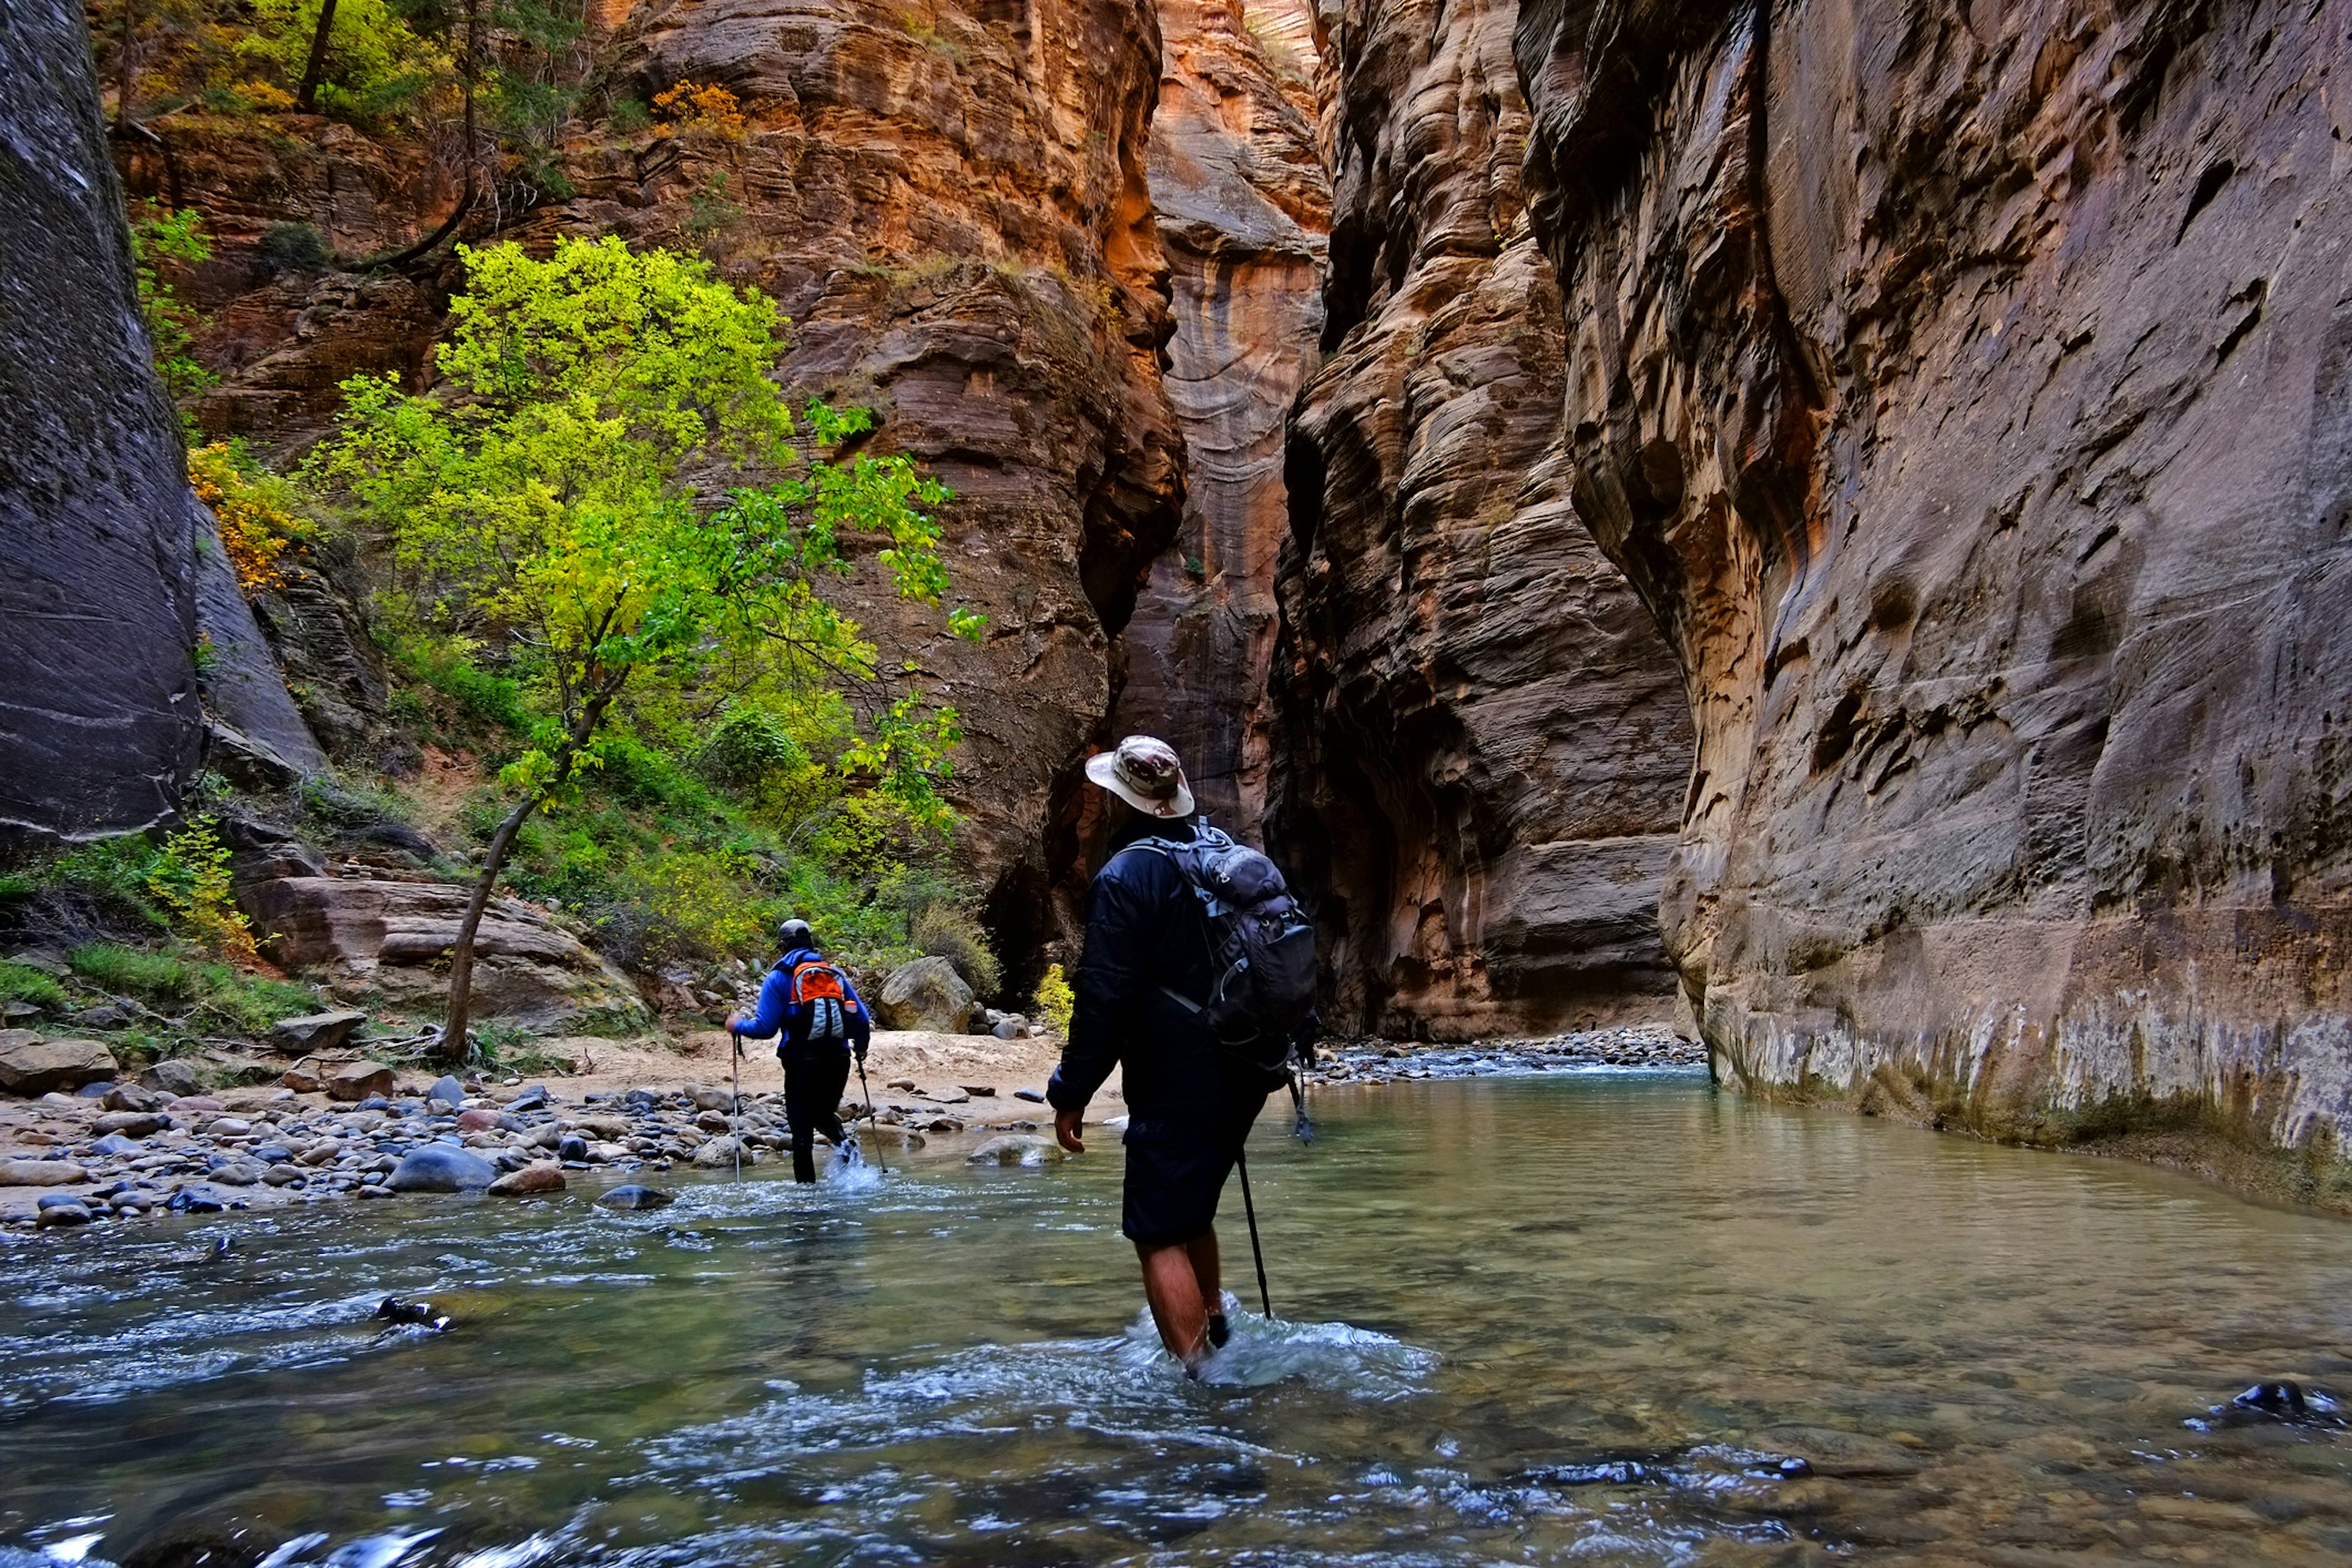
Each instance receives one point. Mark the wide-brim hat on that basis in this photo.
(1144, 772)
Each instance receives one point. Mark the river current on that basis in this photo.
(1578, 1318)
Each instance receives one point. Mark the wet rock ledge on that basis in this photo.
(1390, 1061)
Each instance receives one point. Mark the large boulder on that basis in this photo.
(383, 942)
(442, 1168)
(33, 1064)
(315, 1031)
(358, 1081)
(925, 994)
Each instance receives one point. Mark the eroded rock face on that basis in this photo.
(99, 720)
(384, 943)
(1965, 389)
(1242, 203)
(1485, 739)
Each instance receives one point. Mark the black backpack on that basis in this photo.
(1261, 947)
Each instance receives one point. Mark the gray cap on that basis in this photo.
(795, 933)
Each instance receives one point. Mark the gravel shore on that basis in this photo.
(123, 1151)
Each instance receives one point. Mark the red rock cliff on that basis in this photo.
(1485, 740)
(1964, 388)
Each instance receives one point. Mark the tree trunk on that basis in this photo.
(461, 954)
(306, 97)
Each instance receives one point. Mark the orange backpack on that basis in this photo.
(820, 988)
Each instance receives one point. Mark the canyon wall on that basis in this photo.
(1243, 203)
(1965, 389)
(1486, 741)
(950, 200)
(98, 718)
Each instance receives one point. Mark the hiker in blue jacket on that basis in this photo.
(819, 1021)
(1190, 1104)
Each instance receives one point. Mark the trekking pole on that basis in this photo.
(735, 1111)
(1256, 1252)
(872, 1126)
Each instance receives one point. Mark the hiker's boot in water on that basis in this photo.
(1220, 1330)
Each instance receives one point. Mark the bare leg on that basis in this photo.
(1172, 1284)
(1203, 1254)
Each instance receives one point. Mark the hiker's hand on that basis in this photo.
(1066, 1124)
(861, 1055)
(735, 1022)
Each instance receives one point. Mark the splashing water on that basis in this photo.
(1609, 1318)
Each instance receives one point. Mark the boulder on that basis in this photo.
(707, 1098)
(379, 941)
(40, 1174)
(33, 1064)
(441, 1168)
(447, 1089)
(359, 1080)
(302, 1080)
(633, 1196)
(925, 994)
(129, 1123)
(315, 1031)
(71, 1212)
(131, 1097)
(720, 1153)
(1019, 1148)
(171, 1077)
(541, 1177)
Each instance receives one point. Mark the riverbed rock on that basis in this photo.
(926, 993)
(32, 1064)
(448, 1089)
(359, 1080)
(379, 941)
(540, 1177)
(131, 1124)
(441, 1168)
(175, 1077)
(114, 1145)
(1018, 1149)
(40, 1174)
(632, 1197)
(1972, 418)
(316, 1031)
(62, 1211)
(720, 1153)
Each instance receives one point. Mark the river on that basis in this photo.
(1585, 1316)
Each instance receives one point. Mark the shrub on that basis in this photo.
(246, 1004)
(23, 983)
(628, 117)
(294, 246)
(706, 108)
(943, 930)
(190, 878)
(255, 509)
(1055, 1001)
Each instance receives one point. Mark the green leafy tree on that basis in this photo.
(597, 485)
(171, 326)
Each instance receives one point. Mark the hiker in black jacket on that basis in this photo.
(1190, 1105)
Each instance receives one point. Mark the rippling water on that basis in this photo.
(1586, 1318)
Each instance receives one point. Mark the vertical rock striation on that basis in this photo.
(1242, 203)
(99, 721)
(1486, 741)
(1965, 388)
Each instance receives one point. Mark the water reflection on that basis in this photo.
(1609, 1319)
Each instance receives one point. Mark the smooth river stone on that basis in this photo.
(40, 1174)
(442, 1168)
(633, 1196)
(542, 1177)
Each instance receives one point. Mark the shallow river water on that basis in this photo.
(1591, 1318)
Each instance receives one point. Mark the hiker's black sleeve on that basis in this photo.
(1111, 976)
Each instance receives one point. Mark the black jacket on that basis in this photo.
(1145, 931)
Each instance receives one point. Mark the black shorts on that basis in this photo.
(1176, 1171)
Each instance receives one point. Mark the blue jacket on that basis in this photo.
(1144, 932)
(777, 1011)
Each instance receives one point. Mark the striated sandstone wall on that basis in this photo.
(1965, 388)
(1485, 740)
(1243, 203)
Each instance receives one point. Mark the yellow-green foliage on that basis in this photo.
(256, 511)
(380, 72)
(155, 240)
(190, 878)
(1055, 1001)
(944, 930)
